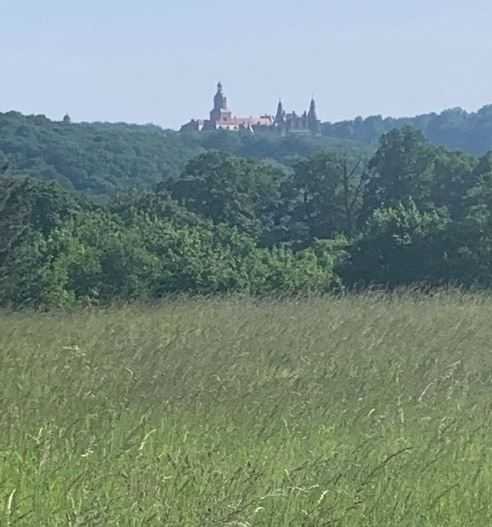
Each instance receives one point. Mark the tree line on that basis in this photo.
(455, 128)
(103, 158)
(410, 214)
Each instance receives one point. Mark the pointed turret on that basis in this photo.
(312, 110)
(280, 116)
(313, 121)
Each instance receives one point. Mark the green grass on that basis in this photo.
(359, 411)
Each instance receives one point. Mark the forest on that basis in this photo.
(95, 213)
(455, 128)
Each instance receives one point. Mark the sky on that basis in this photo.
(158, 61)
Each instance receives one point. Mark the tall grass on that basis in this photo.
(358, 411)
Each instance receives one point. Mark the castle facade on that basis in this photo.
(221, 118)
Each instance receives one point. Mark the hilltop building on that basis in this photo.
(291, 123)
(221, 118)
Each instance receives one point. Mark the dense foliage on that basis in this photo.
(86, 253)
(103, 158)
(454, 128)
(410, 213)
(97, 158)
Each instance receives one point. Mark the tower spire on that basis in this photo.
(220, 111)
(280, 115)
(312, 117)
(312, 110)
(220, 100)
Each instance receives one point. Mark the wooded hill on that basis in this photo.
(102, 158)
(454, 128)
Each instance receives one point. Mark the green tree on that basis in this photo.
(400, 246)
(401, 169)
(28, 205)
(159, 205)
(228, 189)
(472, 236)
(322, 196)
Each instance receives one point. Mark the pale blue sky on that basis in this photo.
(159, 60)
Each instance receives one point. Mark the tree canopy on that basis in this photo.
(211, 221)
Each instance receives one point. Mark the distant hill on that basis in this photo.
(103, 158)
(456, 129)
(98, 158)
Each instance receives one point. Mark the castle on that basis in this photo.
(221, 118)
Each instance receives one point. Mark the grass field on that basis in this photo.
(358, 411)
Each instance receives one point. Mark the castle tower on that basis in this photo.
(220, 100)
(312, 117)
(280, 115)
(220, 110)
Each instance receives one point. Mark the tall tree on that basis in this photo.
(455, 174)
(402, 168)
(323, 196)
(229, 189)
(400, 246)
(29, 205)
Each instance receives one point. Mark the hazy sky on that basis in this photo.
(159, 60)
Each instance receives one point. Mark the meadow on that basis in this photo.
(355, 411)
